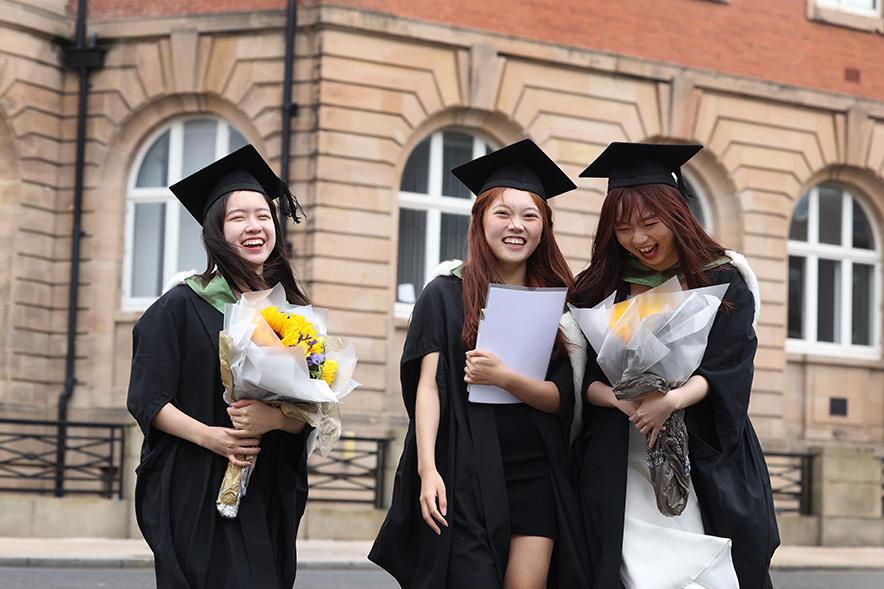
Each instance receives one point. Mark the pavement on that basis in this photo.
(338, 554)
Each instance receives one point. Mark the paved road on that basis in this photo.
(79, 578)
(82, 578)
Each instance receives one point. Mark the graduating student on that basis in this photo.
(727, 533)
(482, 496)
(175, 395)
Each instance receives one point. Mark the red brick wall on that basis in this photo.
(112, 9)
(767, 39)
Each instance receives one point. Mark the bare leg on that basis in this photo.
(528, 565)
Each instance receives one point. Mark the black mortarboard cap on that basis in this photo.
(244, 169)
(636, 164)
(522, 165)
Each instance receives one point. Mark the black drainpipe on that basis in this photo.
(83, 56)
(289, 110)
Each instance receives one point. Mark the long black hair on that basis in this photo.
(223, 259)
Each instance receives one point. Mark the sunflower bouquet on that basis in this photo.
(281, 355)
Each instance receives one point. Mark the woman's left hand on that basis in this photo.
(483, 367)
(254, 417)
(653, 410)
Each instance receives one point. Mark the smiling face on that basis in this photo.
(513, 228)
(248, 227)
(648, 239)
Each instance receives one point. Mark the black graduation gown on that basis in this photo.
(727, 465)
(472, 552)
(175, 359)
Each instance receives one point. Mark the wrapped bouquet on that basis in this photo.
(653, 343)
(280, 354)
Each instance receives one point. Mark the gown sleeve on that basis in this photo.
(426, 334)
(728, 366)
(154, 379)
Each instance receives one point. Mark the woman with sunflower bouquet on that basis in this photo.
(176, 396)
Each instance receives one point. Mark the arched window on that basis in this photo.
(161, 236)
(834, 276)
(434, 210)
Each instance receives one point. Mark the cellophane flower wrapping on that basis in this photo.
(306, 377)
(654, 342)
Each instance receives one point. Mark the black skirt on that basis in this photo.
(526, 468)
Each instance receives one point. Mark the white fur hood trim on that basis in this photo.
(444, 268)
(742, 264)
(577, 351)
(177, 279)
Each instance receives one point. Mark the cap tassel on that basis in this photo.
(682, 187)
(290, 204)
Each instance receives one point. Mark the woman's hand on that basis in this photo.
(229, 442)
(255, 418)
(653, 410)
(483, 367)
(434, 504)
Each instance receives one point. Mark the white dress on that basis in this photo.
(662, 552)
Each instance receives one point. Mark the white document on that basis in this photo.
(520, 328)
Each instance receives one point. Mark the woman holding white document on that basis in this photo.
(482, 496)
(725, 533)
(176, 396)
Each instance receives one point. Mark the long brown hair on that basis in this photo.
(694, 246)
(222, 258)
(545, 267)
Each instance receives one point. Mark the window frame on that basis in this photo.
(837, 13)
(843, 6)
(812, 251)
(162, 194)
(434, 203)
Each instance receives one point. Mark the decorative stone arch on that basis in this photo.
(721, 195)
(487, 125)
(104, 224)
(494, 125)
(119, 156)
(863, 183)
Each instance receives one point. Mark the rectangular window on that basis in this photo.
(796, 297)
(457, 148)
(147, 249)
(830, 215)
(199, 145)
(454, 237)
(851, 5)
(191, 255)
(863, 275)
(412, 251)
(416, 176)
(828, 301)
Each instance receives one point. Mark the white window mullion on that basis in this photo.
(222, 140)
(846, 303)
(434, 237)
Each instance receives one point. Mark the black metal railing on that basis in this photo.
(353, 472)
(61, 457)
(790, 476)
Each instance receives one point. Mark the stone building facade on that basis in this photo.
(787, 98)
